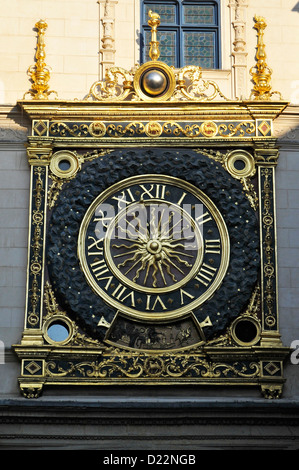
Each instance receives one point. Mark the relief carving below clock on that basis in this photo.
(153, 235)
(128, 333)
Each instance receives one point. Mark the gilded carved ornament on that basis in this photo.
(154, 22)
(61, 176)
(154, 80)
(54, 314)
(261, 73)
(40, 71)
(186, 83)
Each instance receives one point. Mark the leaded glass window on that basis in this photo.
(188, 33)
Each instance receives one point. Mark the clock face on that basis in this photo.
(154, 247)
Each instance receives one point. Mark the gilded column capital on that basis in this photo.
(266, 156)
(39, 153)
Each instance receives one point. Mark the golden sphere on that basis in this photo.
(154, 245)
(154, 82)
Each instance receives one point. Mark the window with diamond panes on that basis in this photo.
(188, 33)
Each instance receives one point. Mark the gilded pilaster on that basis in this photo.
(266, 160)
(38, 160)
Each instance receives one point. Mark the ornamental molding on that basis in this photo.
(107, 23)
(238, 13)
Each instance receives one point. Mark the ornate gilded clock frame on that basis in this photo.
(189, 119)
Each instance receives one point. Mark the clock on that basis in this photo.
(153, 249)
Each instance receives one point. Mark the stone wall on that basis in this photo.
(72, 45)
(14, 198)
(287, 187)
(282, 42)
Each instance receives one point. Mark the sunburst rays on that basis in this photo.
(155, 252)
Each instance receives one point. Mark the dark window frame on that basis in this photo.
(180, 28)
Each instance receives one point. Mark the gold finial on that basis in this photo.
(262, 75)
(40, 72)
(154, 22)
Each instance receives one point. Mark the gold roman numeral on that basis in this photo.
(126, 197)
(99, 268)
(203, 218)
(206, 274)
(120, 294)
(152, 306)
(185, 294)
(95, 245)
(212, 246)
(156, 191)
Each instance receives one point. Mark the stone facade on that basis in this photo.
(82, 39)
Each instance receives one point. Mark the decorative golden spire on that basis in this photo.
(154, 22)
(262, 75)
(40, 72)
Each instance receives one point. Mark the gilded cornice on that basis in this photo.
(92, 110)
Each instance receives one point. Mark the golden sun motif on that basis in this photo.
(158, 250)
